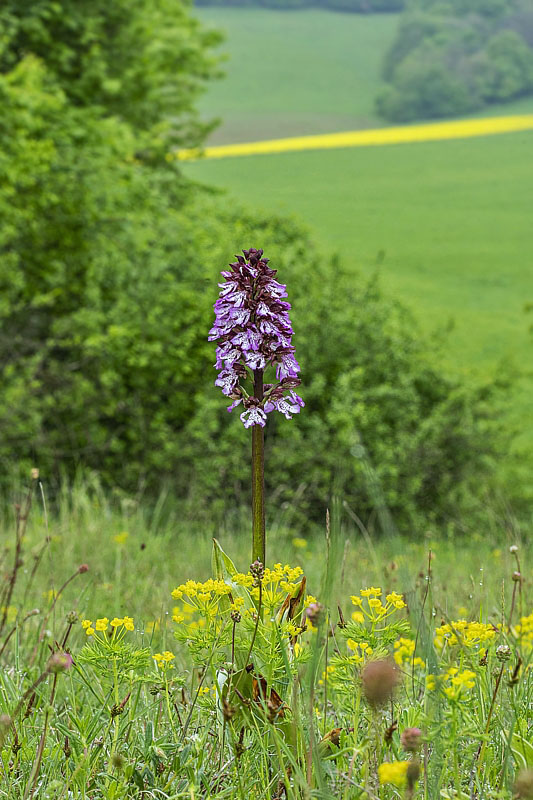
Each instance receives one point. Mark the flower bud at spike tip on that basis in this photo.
(253, 331)
(83, 568)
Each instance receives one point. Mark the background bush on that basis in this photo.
(452, 58)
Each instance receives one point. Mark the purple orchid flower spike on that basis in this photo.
(253, 331)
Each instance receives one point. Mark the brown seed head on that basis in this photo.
(257, 570)
(313, 613)
(379, 679)
(410, 739)
(59, 662)
(503, 652)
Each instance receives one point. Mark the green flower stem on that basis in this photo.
(258, 480)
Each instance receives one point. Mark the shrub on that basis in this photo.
(449, 59)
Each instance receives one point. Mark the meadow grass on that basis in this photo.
(137, 553)
(143, 713)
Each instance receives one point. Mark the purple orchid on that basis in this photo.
(253, 331)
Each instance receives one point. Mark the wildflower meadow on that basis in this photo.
(292, 667)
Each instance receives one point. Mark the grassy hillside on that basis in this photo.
(294, 72)
(290, 73)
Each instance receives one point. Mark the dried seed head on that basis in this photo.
(314, 613)
(257, 570)
(523, 786)
(379, 679)
(503, 652)
(235, 616)
(59, 662)
(513, 548)
(71, 618)
(411, 739)
(83, 568)
(516, 576)
(118, 761)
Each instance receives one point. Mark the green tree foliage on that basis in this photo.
(143, 62)
(455, 56)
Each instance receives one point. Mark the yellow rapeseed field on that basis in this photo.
(426, 132)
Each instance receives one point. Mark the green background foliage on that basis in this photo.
(453, 58)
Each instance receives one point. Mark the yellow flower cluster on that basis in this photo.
(205, 690)
(202, 597)
(468, 634)
(394, 772)
(299, 542)
(424, 132)
(193, 589)
(360, 651)
(404, 651)
(163, 660)
(101, 625)
(276, 583)
(453, 682)
(524, 629)
(376, 608)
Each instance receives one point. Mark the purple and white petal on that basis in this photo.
(287, 367)
(235, 403)
(255, 360)
(253, 416)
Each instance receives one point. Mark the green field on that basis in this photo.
(293, 72)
